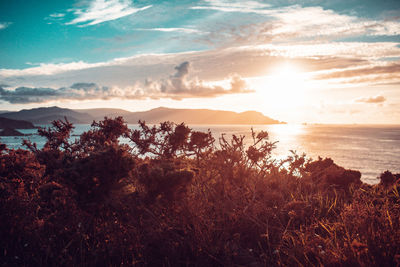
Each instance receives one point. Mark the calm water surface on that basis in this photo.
(369, 149)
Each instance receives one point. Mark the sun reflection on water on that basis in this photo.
(287, 130)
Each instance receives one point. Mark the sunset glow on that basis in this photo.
(286, 85)
(311, 62)
(200, 133)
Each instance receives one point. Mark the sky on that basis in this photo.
(310, 61)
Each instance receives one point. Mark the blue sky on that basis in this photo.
(342, 56)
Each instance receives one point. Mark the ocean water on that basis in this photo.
(369, 149)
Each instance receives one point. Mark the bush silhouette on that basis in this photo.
(326, 173)
(171, 197)
(163, 180)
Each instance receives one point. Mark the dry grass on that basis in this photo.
(174, 199)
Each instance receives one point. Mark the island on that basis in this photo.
(10, 132)
(6, 123)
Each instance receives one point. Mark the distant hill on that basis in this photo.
(15, 124)
(100, 113)
(200, 116)
(189, 116)
(47, 115)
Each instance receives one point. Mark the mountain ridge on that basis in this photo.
(45, 115)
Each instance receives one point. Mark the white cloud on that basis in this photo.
(360, 50)
(293, 23)
(371, 100)
(296, 21)
(324, 61)
(237, 4)
(230, 6)
(57, 15)
(181, 30)
(49, 69)
(104, 10)
(54, 18)
(177, 86)
(4, 25)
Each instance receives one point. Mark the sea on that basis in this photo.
(371, 149)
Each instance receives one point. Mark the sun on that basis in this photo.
(284, 86)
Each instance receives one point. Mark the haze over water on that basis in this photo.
(369, 149)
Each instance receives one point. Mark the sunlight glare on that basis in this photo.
(285, 86)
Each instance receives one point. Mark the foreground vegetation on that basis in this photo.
(172, 197)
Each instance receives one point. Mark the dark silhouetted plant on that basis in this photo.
(172, 198)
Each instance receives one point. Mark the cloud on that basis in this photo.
(359, 50)
(337, 55)
(57, 15)
(244, 58)
(100, 11)
(317, 60)
(177, 87)
(49, 69)
(295, 21)
(27, 95)
(289, 24)
(377, 73)
(4, 25)
(362, 71)
(372, 100)
(180, 30)
(78, 91)
(230, 6)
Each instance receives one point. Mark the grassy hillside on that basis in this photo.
(174, 198)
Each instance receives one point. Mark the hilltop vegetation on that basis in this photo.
(174, 198)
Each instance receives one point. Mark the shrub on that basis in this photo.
(163, 180)
(173, 198)
(387, 178)
(327, 174)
